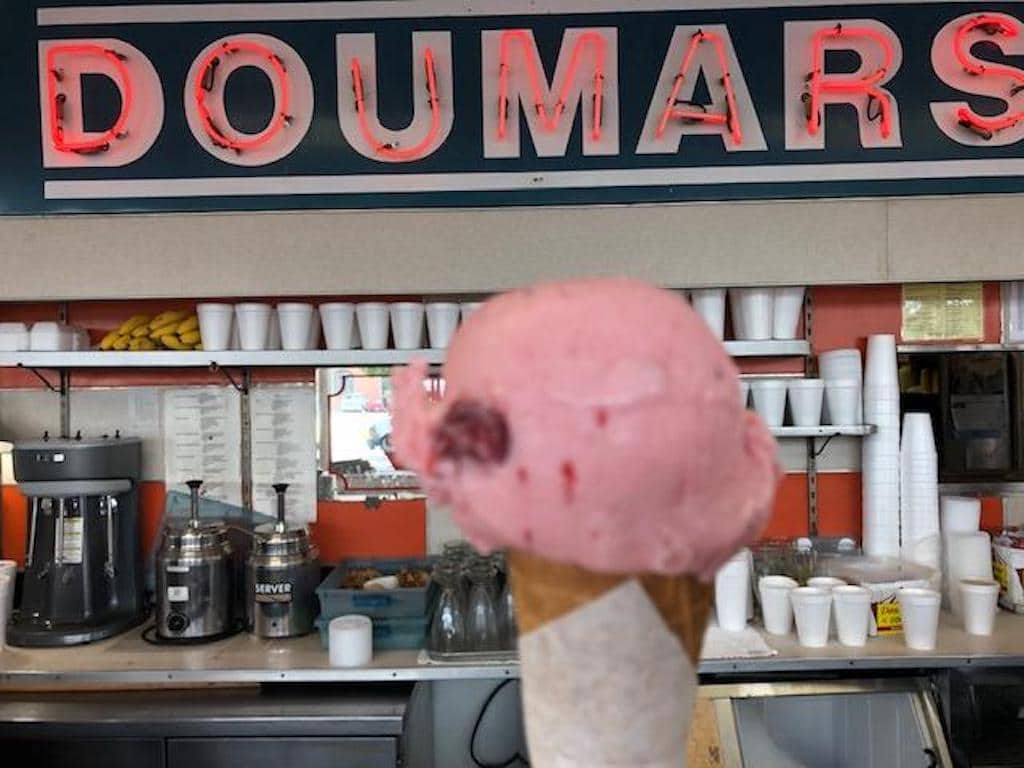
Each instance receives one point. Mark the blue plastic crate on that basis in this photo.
(409, 602)
(389, 634)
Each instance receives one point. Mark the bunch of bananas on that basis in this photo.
(168, 330)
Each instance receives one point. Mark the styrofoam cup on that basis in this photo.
(338, 320)
(744, 393)
(374, 321)
(776, 608)
(6, 598)
(919, 610)
(216, 322)
(253, 325)
(770, 400)
(843, 399)
(407, 324)
(296, 322)
(960, 514)
(825, 582)
(968, 556)
(709, 303)
(852, 609)
(880, 368)
(467, 308)
(442, 319)
(9, 567)
(812, 610)
(805, 399)
(350, 641)
(732, 591)
(979, 603)
(755, 308)
(787, 306)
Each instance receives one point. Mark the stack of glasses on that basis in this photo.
(881, 451)
(919, 492)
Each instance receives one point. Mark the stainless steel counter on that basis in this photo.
(245, 659)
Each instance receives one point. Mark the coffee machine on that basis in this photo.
(83, 566)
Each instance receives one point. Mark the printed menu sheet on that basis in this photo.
(202, 441)
(943, 311)
(284, 449)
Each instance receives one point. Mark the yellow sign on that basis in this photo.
(943, 311)
(888, 617)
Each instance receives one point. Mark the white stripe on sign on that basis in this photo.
(394, 183)
(333, 10)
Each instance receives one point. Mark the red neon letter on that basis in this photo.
(992, 26)
(57, 99)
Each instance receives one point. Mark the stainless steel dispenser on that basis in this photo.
(195, 579)
(282, 576)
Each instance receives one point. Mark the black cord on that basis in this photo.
(150, 636)
(517, 757)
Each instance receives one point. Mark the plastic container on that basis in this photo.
(374, 321)
(407, 324)
(979, 600)
(389, 634)
(338, 320)
(442, 320)
(812, 610)
(919, 609)
(253, 321)
(14, 337)
(375, 603)
(296, 323)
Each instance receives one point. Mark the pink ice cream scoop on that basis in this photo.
(596, 423)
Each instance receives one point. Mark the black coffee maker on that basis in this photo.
(83, 565)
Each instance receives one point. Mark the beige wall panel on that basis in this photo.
(439, 251)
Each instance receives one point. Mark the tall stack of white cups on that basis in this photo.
(958, 514)
(919, 492)
(732, 592)
(881, 450)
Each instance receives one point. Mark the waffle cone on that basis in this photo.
(545, 590)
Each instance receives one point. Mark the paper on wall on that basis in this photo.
(284, 449)
(202, 441)
(942, 311)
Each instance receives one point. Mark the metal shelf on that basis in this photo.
(231, 359)
(791, 348)
(827, 430)
(910, 349)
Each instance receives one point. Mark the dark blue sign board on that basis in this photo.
(503, 102)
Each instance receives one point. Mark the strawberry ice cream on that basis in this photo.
(593, 423)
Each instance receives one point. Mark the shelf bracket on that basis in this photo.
(46, 382)
(240, 387)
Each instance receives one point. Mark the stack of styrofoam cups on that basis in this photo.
(979, 600)
(407, 324)
(812, 610)
(776, 608)
(350, 641)
(787, 305)
(752, 313)
(919, 612)
(216, 325)
(957, 514)
(338, 320)
(842, 371)
(805, 399)
(709, 303)
(732, 592)
(852, 608)
(296, 323)
(254, 329)
(919, 493)
(374, 322)
(769, 400)
(8, 573)
(881, 450)
(970, 557)
(442, 319)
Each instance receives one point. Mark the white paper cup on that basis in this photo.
(788, 305)
(979, 603)
(407, 324)
(216, 322)
(776, 608)
(852, 608)
(755, 309)
(770, 400)
(843, 399)
(805, 399)
(350, 641)
(709, 303)
(744, 393)
(296, 322)
(374, 321)
(919, 609)
(442, 319)
(467, 308)
(812, 610)
(338, 320)
(732, 591)
(253, 326)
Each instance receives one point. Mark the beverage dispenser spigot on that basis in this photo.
(280, 526)
(193, 512)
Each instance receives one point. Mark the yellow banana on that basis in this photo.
(142, 345)
(132, 323)
(167, 318)
(122, 343)
(140, 332)
(188, 325)
(164, 330)
(173, 342)
(191, 338)
(108, 341)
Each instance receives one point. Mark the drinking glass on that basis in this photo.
(448, 624)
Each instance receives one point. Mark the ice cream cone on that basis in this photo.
(608, 663)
